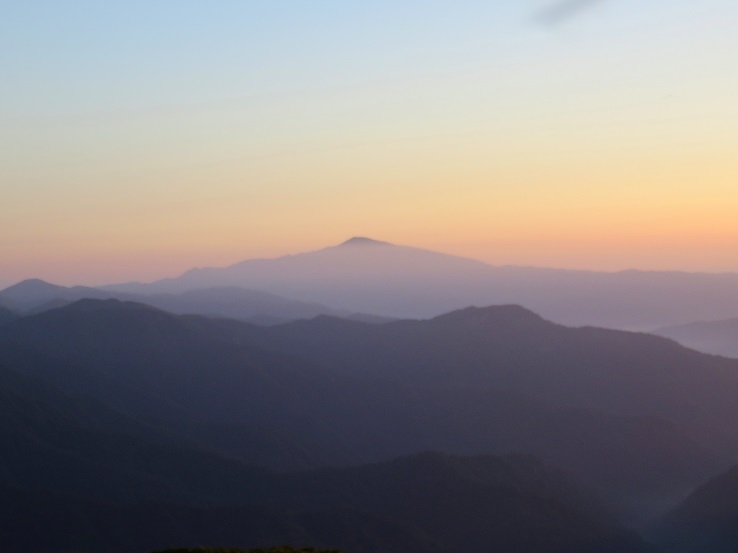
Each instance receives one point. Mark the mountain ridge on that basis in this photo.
(35, 296)
(331, 391)
(92, 479)
(714, 337)
(407, 282)
(707, 520)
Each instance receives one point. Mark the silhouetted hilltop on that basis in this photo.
(31, 287)
(492, 318)
(33, 293)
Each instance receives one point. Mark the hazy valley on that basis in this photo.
(153, 417)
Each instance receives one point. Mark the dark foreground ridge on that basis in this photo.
(706, 521)
(134, 429)
(141, 476)
(269, 550)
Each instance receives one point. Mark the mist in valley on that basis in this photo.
(389, 277)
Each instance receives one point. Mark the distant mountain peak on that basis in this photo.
(32, 285)
(506, 314)
(363, 241)
(93, 305)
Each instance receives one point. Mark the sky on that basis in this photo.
(139, 139)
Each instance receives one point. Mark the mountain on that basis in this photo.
(73, 445)
(478, 503)
(511, 348)
(368, 276)
(716, 337)
(674, 406)
(95, 480)
(180, 371)
(379, 279)
(33, 293)
(339, 274)
(74, 524)
(36, 296)
(335, 392)
(238, 303)
(414, 505)
(7, 315)
(706, 521)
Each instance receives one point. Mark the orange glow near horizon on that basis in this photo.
(607, 143)
(505, 215)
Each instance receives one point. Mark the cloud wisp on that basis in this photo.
(563, 10)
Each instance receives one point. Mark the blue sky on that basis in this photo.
(69, 58)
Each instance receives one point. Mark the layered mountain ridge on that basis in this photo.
(407, 282)
(193, 408)
(367, 276)
(606, 405)
(96, 480)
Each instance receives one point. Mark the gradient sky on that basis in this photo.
(142, 138)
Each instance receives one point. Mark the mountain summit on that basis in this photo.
(358, 275)
(391, 280)
(31, 286)
(362, 241)
(32, 293)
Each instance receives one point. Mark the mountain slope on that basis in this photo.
(398, 281)
(36, 296)
(76, 446)
(427, 503)
(6, 315)
(716, 337)
(167, 369)
(237, 303)
(508, 347)
(677, 403)
(475, 503)
(340, 392)
(359, 275)
(34, 293)
(92, 479)
(706, 521)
